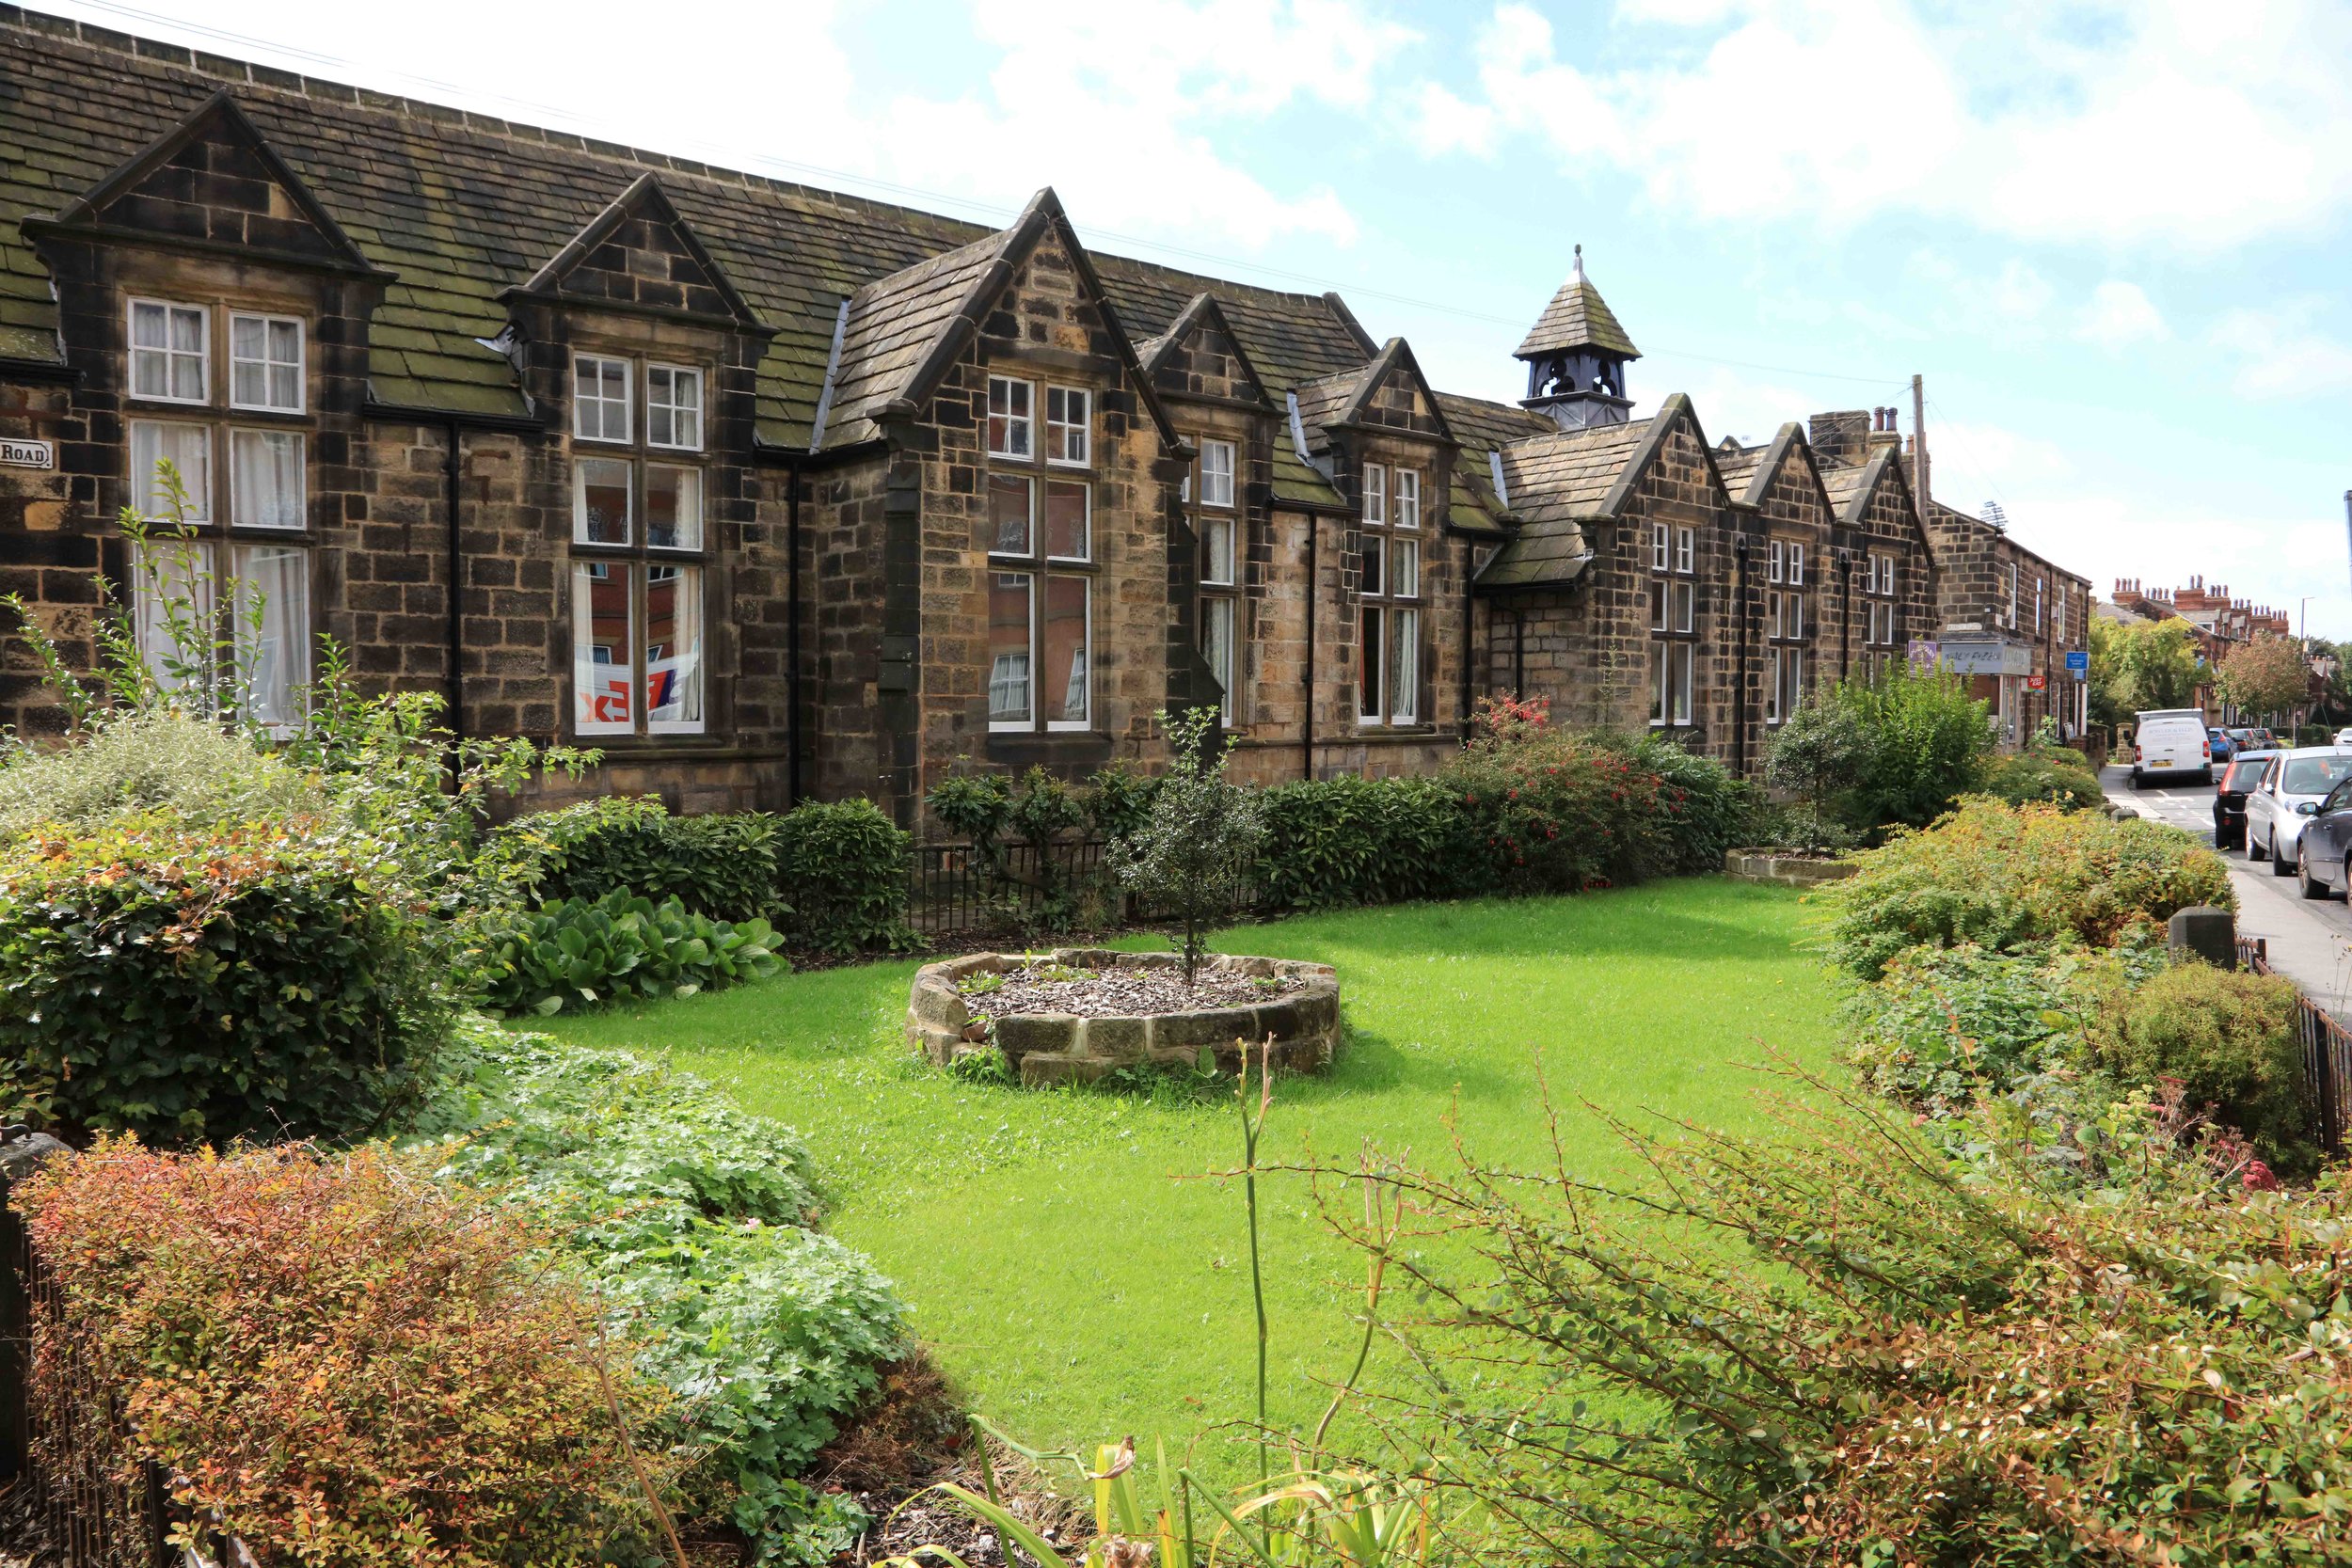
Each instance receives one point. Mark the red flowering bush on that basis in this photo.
(1555, 812)
(337, 1360)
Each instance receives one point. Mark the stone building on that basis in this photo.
(771, 492)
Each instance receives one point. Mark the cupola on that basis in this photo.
(1576, 355)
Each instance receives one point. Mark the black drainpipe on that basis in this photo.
(456, 589)
(1739, 685)
(792, 633)
(1307, 715)
(1462, 713)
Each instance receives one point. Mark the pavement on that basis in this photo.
(2310, 941)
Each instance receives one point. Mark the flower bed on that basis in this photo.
(1118, 1011)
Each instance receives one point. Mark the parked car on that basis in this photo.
(2229, 797)
(2170, 741)
(2292, 789)
(2343, 737)
(2321, 855)
(2221, 747)
(2253, 738)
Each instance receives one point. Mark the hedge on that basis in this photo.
(190, 985)
(831, 876)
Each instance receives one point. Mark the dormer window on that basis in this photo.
(599, 398)
(171, 352)
(264, 363)
(674, 407)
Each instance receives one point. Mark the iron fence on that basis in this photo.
(2327, 1055)
(954, 887)
(90, 1504)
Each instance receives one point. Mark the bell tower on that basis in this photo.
(1576, 355)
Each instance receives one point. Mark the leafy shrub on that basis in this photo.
(690, 1217)
(1944, 1025)
(343, 1364)
(1803, 828)
(1705, 811)
(722, 866)
(2233, 1041)
(2002, 875)
(201, 984)
(846, 866)
(1333, 842)
(132, 762)
(1929, 740)
(1189, 857)
(1556, 813)
(1919, 1362)
(592, 951)
(2058, 775)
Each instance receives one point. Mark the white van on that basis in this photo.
(2170, 742)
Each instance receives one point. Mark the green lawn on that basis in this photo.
(1077, 1292)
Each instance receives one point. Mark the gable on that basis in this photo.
(639, 254)
(1393, 394)
(1787, 486)
(214, 181)
(1673, 463)
(1200, 356)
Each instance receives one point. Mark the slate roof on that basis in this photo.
(1557, 482)
(461, 206)
(1482, 425)
(1577, 318)
(1738, 466)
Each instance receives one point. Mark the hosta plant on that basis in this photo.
(580, 951)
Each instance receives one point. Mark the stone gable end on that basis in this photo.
(646, 261)
(218, 187)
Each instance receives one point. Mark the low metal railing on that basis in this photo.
(2327, 1055)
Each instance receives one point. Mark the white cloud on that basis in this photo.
(2118, 315)
(2003, 304)
(2279, 355)
(1444, 122)
(1125, 109)
(2204, 126)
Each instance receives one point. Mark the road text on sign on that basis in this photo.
(27, 454)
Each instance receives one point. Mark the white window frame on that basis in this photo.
(1672, 704)
(301, 362)
(1083, 426)
(641, 617)
(203, 352)
(580, 404)
(302, 462)
(1780, 562)
(1660, 548)
(1405, 484)
(1401, 625)
(1796, 563)
(690, 373)
(1375, 494)
(1686, 546)
(1025, 420)
(1040, 512)
(580, 504)
(1211, 494)
(1038, 596)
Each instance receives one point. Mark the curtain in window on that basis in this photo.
(272, 634)
(1065, 667)
(604, 656)
(1404, 666)
(1008, 618)
(189, 448)
(674, 650)
(1216, 646)
(266, 478)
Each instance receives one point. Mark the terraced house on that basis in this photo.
(771, 492)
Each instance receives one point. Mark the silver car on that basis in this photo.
(2288, 796)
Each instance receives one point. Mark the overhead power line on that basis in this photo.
(436, 87)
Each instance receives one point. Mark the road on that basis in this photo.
(2309, 940)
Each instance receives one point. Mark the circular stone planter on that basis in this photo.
(1784, 869)
(1052, 1048)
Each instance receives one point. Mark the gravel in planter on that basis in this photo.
(1045, 987)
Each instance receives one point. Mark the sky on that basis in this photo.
(2109, 237)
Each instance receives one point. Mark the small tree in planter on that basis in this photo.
(1201, 835)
